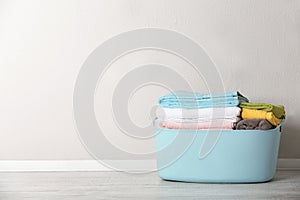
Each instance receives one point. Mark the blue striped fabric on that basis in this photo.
(189, 100)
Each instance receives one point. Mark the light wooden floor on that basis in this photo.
(116, 185)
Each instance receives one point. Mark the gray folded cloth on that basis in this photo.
(254, 124)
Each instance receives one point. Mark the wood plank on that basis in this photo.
(117, 185)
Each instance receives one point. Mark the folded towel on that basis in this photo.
(254, 124)
(260, 114)
(278, 110)
(187, 120)
(189, 100)
(215, 125)
(230, 113)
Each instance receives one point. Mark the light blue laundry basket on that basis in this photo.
(237, 156)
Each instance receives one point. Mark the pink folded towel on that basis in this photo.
(213, 125)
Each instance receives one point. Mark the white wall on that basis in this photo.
(255, 45)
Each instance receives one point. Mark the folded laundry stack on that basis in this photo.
(260, 116)
(185, 110)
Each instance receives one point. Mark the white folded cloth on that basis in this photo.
(203, 114)
(200, 120)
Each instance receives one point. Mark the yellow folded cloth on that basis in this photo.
(260, 114)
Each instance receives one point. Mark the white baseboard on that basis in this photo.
(51, 165)
(74, 165)
(288, 164)
(93, 165)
